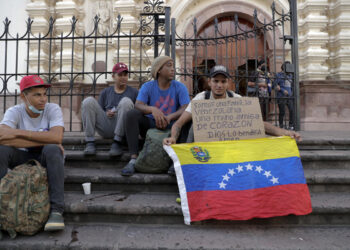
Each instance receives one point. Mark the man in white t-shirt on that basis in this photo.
(218, 83)
(34, 130)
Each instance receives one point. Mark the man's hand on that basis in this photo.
(159, 117)
(168, 141)
(285, 92)
(294, 135)
(61, 147)
(7, 134)
(110, 113)
(278, 87)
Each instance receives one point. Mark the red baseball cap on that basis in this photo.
(120, 67)
(31, 81)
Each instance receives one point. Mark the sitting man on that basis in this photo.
(160, 102)
(218, 82)
(108, 114)
(34, 130)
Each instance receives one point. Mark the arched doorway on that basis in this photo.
(238, 54)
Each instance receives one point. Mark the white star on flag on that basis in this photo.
(249, 167)
(239, 168)
(274, 180)
(258, 169)
(231, 172)
(222, 185)
(267, 174)
(225, 177)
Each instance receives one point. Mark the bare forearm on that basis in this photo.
(175, 131)
(43, 138)
(144, 108)
(178, 113)
(21, 143)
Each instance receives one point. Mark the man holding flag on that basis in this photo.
(237, 180)
(218, 82)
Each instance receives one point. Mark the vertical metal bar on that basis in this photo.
(295, 60)
(206, 71)
(167, 31)
(28, 49)
(83, 68)
(216, 40)
(185, 59)
(61, 52)
(226, 51)
(129, 52)
(246, 56)
(236, 46)
(156, 34)
(118, 47)
(141, 47)
(50, 51)
(16, 66)
(39, 48)
(195, 57)
(106, 56)
(173, 40)
(16, 96)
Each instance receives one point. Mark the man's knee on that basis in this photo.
(89, 102)
(51, 150)
(133, 115)
(126, 103)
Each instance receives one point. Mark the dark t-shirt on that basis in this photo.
(109, 98)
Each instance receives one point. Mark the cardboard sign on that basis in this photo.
(227, 119)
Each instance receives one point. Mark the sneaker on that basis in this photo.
(290, 128)
(55, 222)
(171, 170)
(90, 148)
(128, 170)
(116, 149)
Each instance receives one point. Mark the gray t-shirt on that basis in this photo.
(109, 98)
(17, 117)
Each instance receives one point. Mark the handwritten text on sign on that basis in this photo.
(227, 119)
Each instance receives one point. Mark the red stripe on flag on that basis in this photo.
(247, 204)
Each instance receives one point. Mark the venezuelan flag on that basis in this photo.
(240, 180)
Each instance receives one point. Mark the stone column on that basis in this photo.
(313, 39)
(128, 11)
(39, 11)
(339, 43)
(65, 10)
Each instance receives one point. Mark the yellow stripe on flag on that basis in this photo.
(239, 151)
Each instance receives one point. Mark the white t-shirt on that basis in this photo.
(17, 117)
(201, 96)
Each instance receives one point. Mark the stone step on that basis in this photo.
(136, 236)
(311, 159)
(109, 179)
(161, 208)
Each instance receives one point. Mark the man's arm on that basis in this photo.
(273, 130)
(176, 128)
(177, 114)
(25, 138)
(158, 115)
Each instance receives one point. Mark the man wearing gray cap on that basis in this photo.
(159, 103)
(218, 82)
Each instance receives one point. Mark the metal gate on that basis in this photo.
(63, 58)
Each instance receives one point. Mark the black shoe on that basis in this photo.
(116, 150)
(55, 222)
(90, 148)
(128, 170)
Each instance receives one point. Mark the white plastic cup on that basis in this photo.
(87, 188)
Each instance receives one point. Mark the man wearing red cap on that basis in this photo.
(34, 130)
(108, 114)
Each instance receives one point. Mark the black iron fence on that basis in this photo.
(78, 63)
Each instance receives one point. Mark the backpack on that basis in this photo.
(153, 158)
(24, 199)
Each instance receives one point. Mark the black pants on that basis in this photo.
(136, 123)
(282, 103)
(50, 157)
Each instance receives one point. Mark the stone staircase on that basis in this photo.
(140, 212)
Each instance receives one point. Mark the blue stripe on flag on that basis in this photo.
(243, 176)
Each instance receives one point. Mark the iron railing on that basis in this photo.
(63, 57)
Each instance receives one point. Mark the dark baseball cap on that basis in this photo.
(219, 69)
(119, 68)
(32, 81)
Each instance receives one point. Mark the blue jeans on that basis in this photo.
(50, 157)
